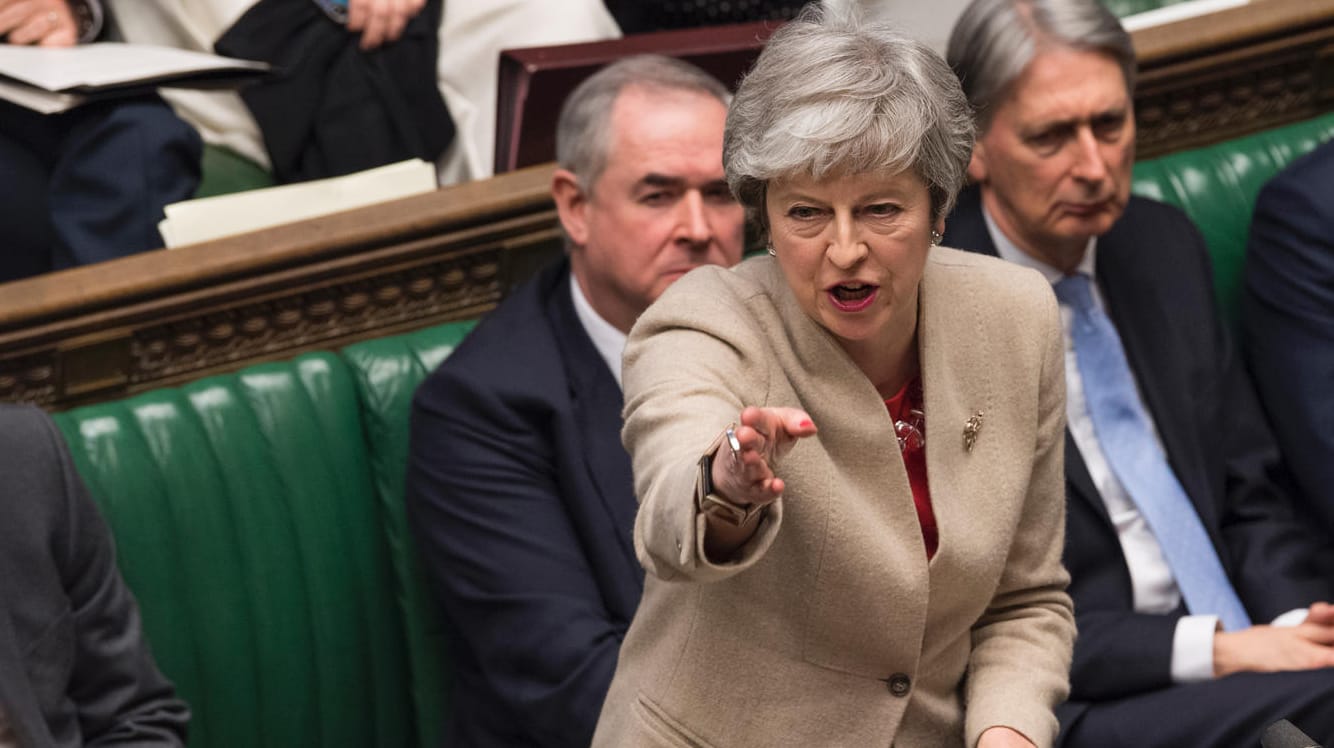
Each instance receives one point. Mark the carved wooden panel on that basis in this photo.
(1234, 72)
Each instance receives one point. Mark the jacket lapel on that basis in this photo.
(596, 401)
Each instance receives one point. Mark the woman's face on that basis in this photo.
(853, 249)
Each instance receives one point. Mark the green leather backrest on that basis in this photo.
(245, 523)
(1217, 185)
(224, 171)
(1123, 8)
(387, 372)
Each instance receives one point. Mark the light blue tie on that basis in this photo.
(1127, 439)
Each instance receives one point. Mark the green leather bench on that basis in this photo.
(259, 515)
(259, 520)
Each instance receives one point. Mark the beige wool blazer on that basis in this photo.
(830, 628)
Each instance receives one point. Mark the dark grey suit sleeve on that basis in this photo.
(118, 695)
(1288, 321)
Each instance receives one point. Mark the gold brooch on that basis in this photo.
(970, 431)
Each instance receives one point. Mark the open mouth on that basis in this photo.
(852, 297)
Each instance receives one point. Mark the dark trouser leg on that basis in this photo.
(24, 223)
(118, 164)
(1223, 713)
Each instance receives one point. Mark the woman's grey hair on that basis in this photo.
(583, 130)
(994, 40)
(832, 95)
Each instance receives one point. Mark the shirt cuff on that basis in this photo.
(1294, 617)
(1193, 649)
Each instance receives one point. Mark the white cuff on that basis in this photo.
(1193, 649)
(1294, 617)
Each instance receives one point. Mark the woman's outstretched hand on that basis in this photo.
(763, 437)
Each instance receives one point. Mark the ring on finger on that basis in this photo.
(733, 443)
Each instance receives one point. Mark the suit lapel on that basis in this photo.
(596, 401)
(1138, 309)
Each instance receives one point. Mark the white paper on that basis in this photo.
(207, 218)
(109, 64)
(36, 99)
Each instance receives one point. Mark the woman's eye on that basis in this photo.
(803, 212)
(881, 210)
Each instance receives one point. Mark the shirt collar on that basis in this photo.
(609, 342)
(1011, 252)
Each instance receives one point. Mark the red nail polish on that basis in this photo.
(806, 423)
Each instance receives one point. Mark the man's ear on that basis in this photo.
(571, 205)
(977, 164)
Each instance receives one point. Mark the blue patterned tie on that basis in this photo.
(1127, 439)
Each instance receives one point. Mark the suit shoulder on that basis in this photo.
(512, 347)
(32, 461)
(27, 436)
(1144, 212)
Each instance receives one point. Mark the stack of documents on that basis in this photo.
(54, 79)
(208, 218)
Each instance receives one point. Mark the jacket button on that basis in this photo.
(899, 684)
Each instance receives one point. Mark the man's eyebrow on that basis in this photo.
(661, 180)
(1115, 112)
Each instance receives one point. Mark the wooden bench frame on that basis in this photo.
(169, 316)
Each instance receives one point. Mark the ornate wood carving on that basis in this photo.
(1233, 72)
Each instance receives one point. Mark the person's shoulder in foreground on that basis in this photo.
(74, 666)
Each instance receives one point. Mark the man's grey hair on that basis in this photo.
(994, 40)
(583, 132)
(831, 95)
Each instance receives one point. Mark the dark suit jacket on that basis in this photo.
(74, 667)
(521, 498)
(1153, 271)
(1288, 320)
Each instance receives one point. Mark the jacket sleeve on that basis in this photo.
(691, 365)
(504, 558)
(120, 696)
(1277, 562)
(1288, 322)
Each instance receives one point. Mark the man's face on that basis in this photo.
(1054, 165)
(659, 209)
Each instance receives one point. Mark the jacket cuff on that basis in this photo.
(88, 18)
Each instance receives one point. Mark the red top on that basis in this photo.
(910, 425)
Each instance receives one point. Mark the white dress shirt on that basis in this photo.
(1155, 589)
(609, 342)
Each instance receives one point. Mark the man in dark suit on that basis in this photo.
(518, 487)
(1288, 320)
(1177, 539)
(74, 667)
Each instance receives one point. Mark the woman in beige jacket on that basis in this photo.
(869, 554)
